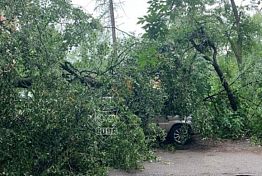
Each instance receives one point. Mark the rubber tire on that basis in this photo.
(175, 129)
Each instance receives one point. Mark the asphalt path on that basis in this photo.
(204, 158)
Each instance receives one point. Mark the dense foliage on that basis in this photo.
(216, 45)
(57, 118)
(71, 104)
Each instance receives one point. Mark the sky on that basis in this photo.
(127, 13)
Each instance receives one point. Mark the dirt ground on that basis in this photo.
(204, 158)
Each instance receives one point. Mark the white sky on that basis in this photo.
(127, 13)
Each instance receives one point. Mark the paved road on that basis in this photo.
(225, 158)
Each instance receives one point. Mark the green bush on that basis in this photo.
(210, 123)
(255, 125)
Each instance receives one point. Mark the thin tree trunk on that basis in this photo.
(231, 97)
(238, 45)
(113, 26)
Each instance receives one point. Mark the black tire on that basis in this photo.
(180, 134)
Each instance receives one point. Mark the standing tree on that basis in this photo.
(213, 29)
(224, 35)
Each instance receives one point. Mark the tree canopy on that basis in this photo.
(72, 105)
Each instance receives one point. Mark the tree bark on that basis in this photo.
(237, 46)
(231, 97)
(67, 67)
(113, 26)
(210, 45)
